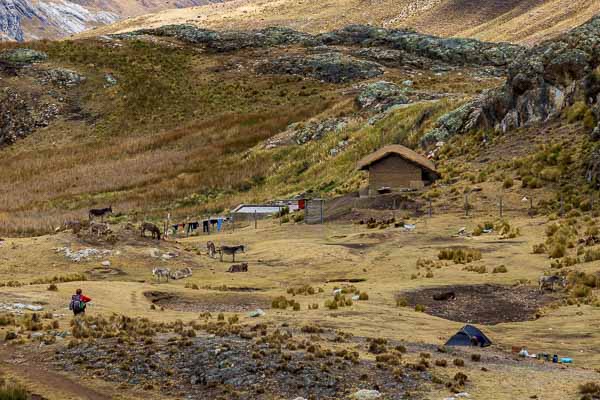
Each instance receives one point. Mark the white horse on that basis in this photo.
(159, 273)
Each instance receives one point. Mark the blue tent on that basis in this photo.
(469, 336)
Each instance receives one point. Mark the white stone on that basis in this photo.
(365, 394)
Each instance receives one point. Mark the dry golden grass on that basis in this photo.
(516, 20)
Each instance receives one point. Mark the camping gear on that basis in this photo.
(566, 360)
(555, 358)
(469, 336)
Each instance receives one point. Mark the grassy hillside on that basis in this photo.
(523, 21)
(184, 130)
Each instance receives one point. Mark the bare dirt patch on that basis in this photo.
(209, 302)
(482, 304)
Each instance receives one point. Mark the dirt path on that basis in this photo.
(52, 385)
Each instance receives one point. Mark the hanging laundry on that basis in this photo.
(205, 227)
(219, 224)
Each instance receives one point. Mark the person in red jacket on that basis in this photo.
(79, 302)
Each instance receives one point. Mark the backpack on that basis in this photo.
(77, 305)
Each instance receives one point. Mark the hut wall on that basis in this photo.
(396, 173)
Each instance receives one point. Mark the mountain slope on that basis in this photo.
(50, 19)
(523, 21)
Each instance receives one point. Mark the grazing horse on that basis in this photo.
(243, 267)
(551, 281)
(100, 212)
(159, 273)
(99, 229)
(230, 250)
(212, 250)
(181, 273)
(146, 226)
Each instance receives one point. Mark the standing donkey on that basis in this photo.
(100, 212)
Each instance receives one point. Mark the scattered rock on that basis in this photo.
(365, 394)
(83, 254)
(256, 313)
(105, 263)
(63, 77)
(110, 80)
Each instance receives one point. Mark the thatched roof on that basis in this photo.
(399, 150)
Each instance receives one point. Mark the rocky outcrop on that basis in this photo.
(301, 133)
(228, 40)
(449, 50)
(62, 77)
(384, 44)
(20, 57)
(327, 67)
(19, 115)
(381, 95)
(541, 83)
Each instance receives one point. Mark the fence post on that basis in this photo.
(322, 211)
(430, 208)
(467, 204)
(562, 205)
(501, 208)
(255, 221)
(592, 202)
(280, 216)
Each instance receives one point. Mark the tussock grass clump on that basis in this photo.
(12, 391)
(591, 255)
(377, 345)
(441, 363)
(459, 362)
(7, 319)
(590, 388)
(304, 290)
(476, 357)
(539, 248)
(75, 277)
(420, 308)
(401, 302)
(480, 269)
(460, 255)
(282, 303)
(500, 270)
(53, 288)
(192, 286)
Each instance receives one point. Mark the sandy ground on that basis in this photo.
(289, 256)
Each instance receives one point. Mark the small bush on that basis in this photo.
(460, 256)
(459, 362)
(13, 392)
(53, 288)
(508, 183)
(441, 363)
(500, 270)
(592, 388)
(420, 308)
(363, 296)
(539, 248)
(476, 357)
(557, 251)
(401, 302)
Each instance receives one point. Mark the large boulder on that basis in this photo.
(20, 57)
(328, 67)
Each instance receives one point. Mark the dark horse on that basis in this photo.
(146, 226)
(230, 250)
(100, 212)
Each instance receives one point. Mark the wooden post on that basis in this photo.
(501, 208)
(280, 215)
(430, 208)
(467, 204)
(322, 211)
(562, 204)
(255, 221)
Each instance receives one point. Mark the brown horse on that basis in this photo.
(147, 226)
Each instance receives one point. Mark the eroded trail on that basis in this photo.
(45, 383)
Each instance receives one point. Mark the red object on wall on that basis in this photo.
(301, 204)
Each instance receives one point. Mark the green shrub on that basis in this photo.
(539, 248)
(13, 391)
(420, 308)
(508, 183)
